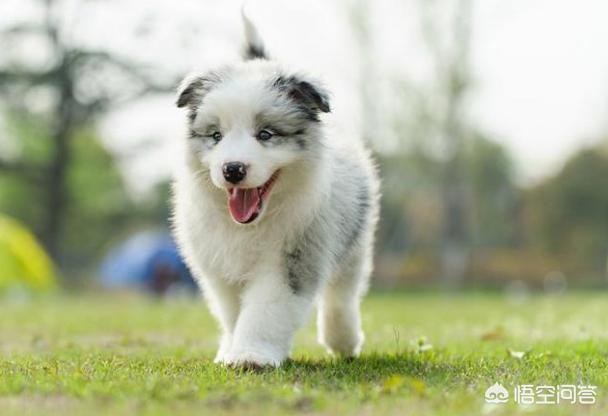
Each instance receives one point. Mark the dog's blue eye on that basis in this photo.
(264, 135)
(217, 136)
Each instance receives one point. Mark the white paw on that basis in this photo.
(225, 345)
(254, 358)
(219, 358)
(346, 344)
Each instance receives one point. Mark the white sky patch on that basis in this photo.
(145, 136)
(542, 71)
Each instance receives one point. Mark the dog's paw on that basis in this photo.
(222, 352)
(344, 344)
(252, 360)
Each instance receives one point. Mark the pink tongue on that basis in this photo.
(244, 204)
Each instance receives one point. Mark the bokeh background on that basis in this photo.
(488, 119)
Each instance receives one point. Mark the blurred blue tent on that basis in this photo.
(147, 261)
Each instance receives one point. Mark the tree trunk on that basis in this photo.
(57, 189)
(455, 251)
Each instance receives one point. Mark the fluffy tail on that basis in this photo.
(254, 46)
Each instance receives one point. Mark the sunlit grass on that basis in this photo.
(425, 354)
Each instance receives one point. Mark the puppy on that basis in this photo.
(271, 214)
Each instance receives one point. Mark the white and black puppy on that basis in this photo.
(271, 214)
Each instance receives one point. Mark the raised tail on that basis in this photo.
(254, 46)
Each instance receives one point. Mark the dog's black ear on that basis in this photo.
(194, 87)
(305, 92)
(316, 95)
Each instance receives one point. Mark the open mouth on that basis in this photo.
(245, 204)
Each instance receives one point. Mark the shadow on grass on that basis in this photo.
(369, 368)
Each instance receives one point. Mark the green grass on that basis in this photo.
(124, 355)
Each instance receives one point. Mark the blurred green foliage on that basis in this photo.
(411, 204)
(559, 225)
(494, 197)
(20, 195)
(568, 213)
(99, 208)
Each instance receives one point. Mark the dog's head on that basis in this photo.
(249, 123)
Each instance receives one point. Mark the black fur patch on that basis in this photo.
(354, 218)
(311, 100)
(360, 220)
(293, 260)
(303, 262)
(192, 94)
(300, 142)
(286, 124)
(194, 135)
(254, 52)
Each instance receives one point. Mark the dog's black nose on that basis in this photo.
(234, 172)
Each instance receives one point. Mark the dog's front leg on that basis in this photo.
(270, 314)
(223, 301)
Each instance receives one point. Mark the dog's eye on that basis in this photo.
(265, 135)
(217, 136)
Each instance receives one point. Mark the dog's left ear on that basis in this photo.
(309, 93)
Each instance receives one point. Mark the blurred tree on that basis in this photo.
(359, 14)
(568, 213)
(450, 49)
(98, 205)
(412, 204)
(74, 83)
(21, 191)
(494, 201)
(410, 207)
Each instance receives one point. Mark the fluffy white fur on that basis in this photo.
(312, 242)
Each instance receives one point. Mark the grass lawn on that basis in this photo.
(425, 354)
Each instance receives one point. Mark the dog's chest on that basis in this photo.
(225, 250)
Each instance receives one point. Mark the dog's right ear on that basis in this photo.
(194, 87)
